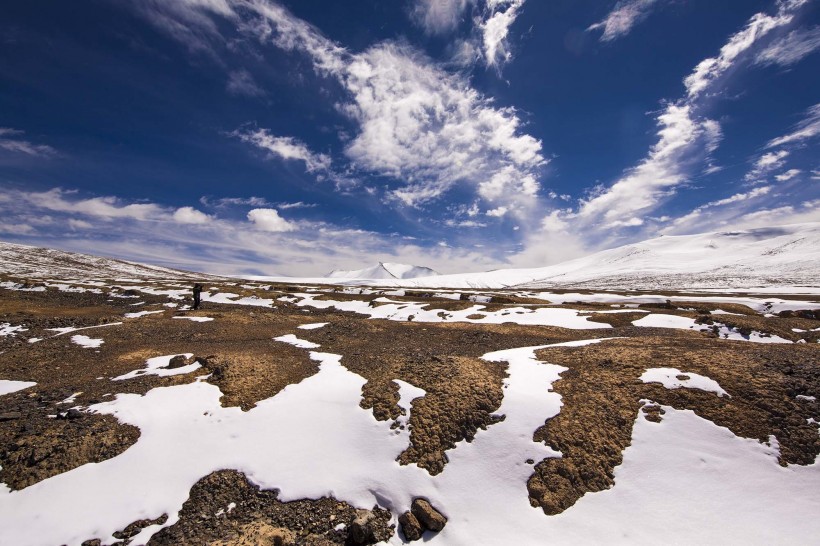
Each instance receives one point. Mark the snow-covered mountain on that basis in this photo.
(30, 261)
(784, 257)
(384, 271)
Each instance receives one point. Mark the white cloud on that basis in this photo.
(234, 201)
(297, 205)
(629, 222)
(106, 208)
(760, 24)
(808, 128)
(241, 82)
(429, 129)
(10, 140)
(269, 220)
(788, 175)
(790, 49)
(765, 164)
(285, 147)
(704, 218)
(495, 27)
(757, 192)
(625, 15)
(189, 215)
(439, 16)
(682, 142)
(498, 212)
(74, 223)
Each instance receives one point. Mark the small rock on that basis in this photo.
(177, 362)
(410, 526)
(92, 542)
(361, 530)
(73, 413)
(10, 416)
(429, 517)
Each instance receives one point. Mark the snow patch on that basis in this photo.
(7, 386)
(87, 342)
(673, 378)
(157, 366)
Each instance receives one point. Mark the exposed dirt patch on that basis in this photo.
(36, 447)
(601, 394)
(258, 516)
(463, 391)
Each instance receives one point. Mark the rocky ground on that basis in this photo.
(772, 386)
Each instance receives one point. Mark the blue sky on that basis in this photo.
(295, 137)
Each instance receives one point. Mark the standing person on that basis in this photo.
(197, 292)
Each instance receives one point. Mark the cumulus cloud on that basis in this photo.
(495, 27)
(623, 17)
(422, 127)
(189, 215)
(439, 16)
(788, 175)
(790, 49)
(11, 140)
(269, 220)
(241, 82)
(760, 24)
(807, 128)
(429, 129)
(285, 147)
(765, 164)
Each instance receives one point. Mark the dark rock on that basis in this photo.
(361, 530)
(73, 413)
(92, 542)
(10, 416)
(429, 517)
(177, 361)
(410, 526)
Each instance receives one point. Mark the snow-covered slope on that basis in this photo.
(29, 261)
(777, 257)
(384, 271)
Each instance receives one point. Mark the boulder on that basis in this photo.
(361, 530)
(410, 526)
(429, 517)
(177, 361)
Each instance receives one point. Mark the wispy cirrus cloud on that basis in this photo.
(686, 138)
(284, 147)
(759, 25)
(12, 140)
(791, 48)
(242, 83)
(765, 164)
(684, 141)
(807, 128)
(623, 18)
(425, 129)
(263, 243)
(439, 16)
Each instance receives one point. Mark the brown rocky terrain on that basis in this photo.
(40, 437)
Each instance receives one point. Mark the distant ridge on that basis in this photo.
(384, 271)
(31, 261)
(777, 258)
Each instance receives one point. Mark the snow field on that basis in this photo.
(313, 439)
